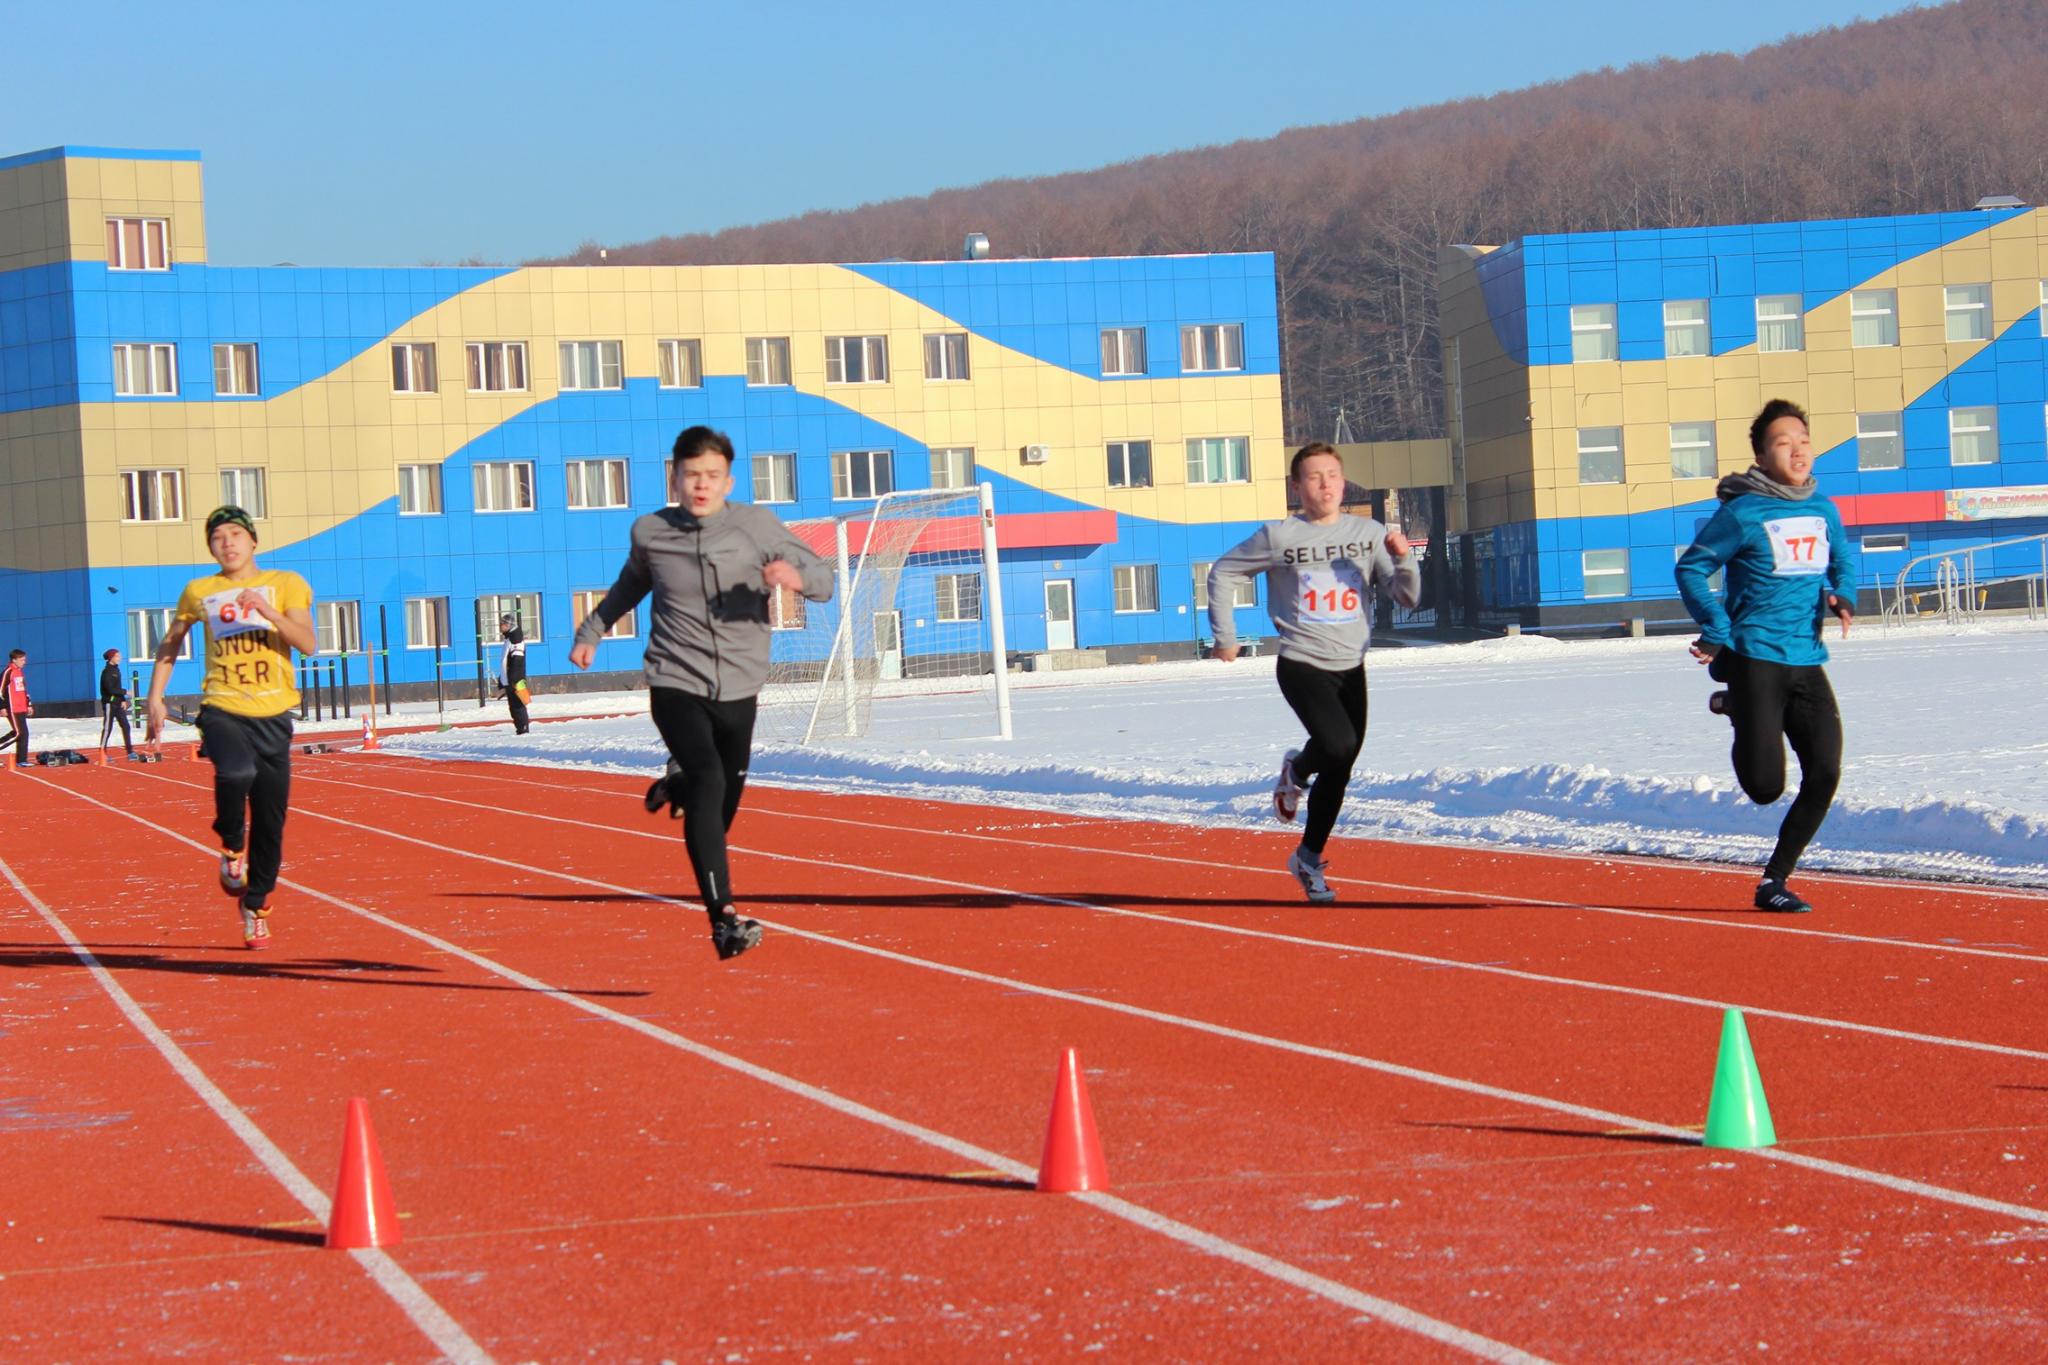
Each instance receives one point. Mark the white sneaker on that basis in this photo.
(1286, 791)
(1309, 873)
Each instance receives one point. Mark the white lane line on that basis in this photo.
(1267, 935)
(1384, 1310)
(1883, 1179)
(432, 1320)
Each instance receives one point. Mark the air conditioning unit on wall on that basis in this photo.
(1036, 454)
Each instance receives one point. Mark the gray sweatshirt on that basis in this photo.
(709, 634)
(1318, 586)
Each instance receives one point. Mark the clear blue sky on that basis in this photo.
(385, 133)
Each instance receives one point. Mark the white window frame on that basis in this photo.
(1879, 307)
(1123, 352)
(857, 360)
(158, 369)
(1247, 588)
(144, 491)
(1594, 324)
(591, 365)
(506, 355)
(768, 362)
(775, 489)
(614, 484)
(844, 483)
(235, 361)
(415, 367)
(1886, 543)
(1698, 331)
(1974, 311)
(426, 617)
(584, 601)
(1880, 425)
(950, 601)
(155, 623)
(1587, 574)
(412, 480)
(2042, 312)
(118, 246)
(1593, 441)
(1985, 424)
(952, 466)
(1711, 446)
(332, 618)
(945, 357)
(486, 485)
(1785, 311)
(1133, 586)
(1236, 453)
(1212, 348)
(246, 487)
(1118, 455)
(682, 363)
(525, 606)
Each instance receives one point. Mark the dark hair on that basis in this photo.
(1772, 411)
(695, 441)
(111, 654)
(17, 654)
(1313, 448)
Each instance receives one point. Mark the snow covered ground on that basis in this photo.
(1587, 745)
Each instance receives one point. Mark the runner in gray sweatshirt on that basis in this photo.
(1320, 567)
(712, 567)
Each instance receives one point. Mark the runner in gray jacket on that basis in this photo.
(1320, 567)
(712, 566)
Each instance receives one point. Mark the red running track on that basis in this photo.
(1453, 1115)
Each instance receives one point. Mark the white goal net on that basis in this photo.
(911, 644)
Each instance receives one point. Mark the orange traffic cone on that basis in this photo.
(369, 734)
(1073, 1154)
(363, 1214)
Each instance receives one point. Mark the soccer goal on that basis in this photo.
(911, 644)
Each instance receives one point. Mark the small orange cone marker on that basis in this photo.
(1073, 1154)
(1737, 1114)
(363, 1214)
(369, 734)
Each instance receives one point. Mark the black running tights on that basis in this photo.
(1331, 705)
(1773, 704)
(709, 743)
(114, 713)
(252, 786)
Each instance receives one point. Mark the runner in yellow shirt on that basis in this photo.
(254, 619)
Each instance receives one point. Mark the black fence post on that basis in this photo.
(384, 649)
(440, 703)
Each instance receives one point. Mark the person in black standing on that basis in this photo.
(512, 671)
(114, 705)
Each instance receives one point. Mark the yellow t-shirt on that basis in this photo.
(248, 664)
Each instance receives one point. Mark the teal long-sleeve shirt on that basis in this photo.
(1782, 559)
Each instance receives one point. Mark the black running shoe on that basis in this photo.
(732, 935)
(1774, 896)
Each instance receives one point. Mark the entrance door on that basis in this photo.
(888, 645)
(1059, 613)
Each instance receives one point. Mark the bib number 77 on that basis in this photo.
(1799, 545)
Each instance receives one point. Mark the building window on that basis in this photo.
(2044, 308)
(1780, 325)
(522, 607)
(859, 475)
(152, 495)
(682, 364)
(247, 488)
(147, 627)
(1593, 332)
(597, 483)
(1889, 543)
(1123, 350)
(426, 622)
(1220, 459)
(856, 360)
(419, 490)
(1692, 451)
(1605, 571)
(497, 366)
(1600, 455)
(338, 627)
(1968, 310)
(413, 369)
(1247, 592)
(1218, 346)
(1137, 587)
(786, 609)
(767, 360)
(945, 355)
(145, 369)
(1130, 464)
(1973, 435)
(1877, 441)
(1685, 327)
(581, 604)
(504, 485)
(953, 466)
(234, 370)
(958, 596)
(775, 478)
(138, 244)
(592, 365)
(1873, 317)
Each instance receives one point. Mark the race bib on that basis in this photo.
(225, 619)
(1330, 593)
(1799, 545)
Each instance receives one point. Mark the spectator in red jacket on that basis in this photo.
(14, 701)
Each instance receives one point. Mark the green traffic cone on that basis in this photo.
(1737, 1114)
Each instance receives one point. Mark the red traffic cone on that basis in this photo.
(369, 734)
(363, 1214)
(1073, 1154)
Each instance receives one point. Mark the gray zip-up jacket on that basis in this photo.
(1319, 582)
(709, 632)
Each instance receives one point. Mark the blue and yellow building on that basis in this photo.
(1598, 383)
(432, 446)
